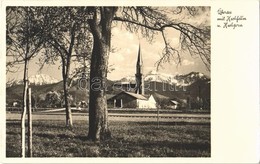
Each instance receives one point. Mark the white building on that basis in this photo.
(131, 100)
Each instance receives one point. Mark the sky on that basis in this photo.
(123, 59)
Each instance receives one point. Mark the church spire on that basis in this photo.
(139, 73)
(139, 58)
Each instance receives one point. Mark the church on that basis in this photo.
(137, 98)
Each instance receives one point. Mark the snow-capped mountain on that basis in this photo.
(39, 79)
(42, 79)
(160, 77)
(178, 80)
(190, 78)
(128, 79)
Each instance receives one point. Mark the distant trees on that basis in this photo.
(53, 99)
(40, 100)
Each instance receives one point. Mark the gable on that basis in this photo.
(151, 99)
(124, 94)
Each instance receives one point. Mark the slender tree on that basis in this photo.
(63, 34)
(66, 37)
(23, 43)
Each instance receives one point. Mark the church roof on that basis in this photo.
(137, 96)
(139, 57)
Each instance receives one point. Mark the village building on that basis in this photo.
(131, 100)
(138, 99)
(174, 104)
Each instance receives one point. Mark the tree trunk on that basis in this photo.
(25, 79)
(98, 115)
(98, 123)
(29, 136)
(67, 103)
(66, 94)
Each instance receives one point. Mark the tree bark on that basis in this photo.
(29, 137)
(98, 115)
(66, 98)
(65, 74)
(69, 122)
(25, 78)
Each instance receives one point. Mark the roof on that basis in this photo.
(175, 102)
(137, 96)
(109, 96)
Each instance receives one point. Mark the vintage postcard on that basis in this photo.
(130, 81)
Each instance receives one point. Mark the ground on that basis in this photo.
(131, 137)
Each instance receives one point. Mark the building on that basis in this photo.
(174, 104)
(137, 98)
(131, 100)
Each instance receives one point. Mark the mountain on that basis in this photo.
(178, 80)
(15, 92)
(178, 87)
(160, 77)
(128, 79)
(194, 86)
(190, 78)
(40, 79)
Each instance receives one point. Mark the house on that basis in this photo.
(167, 102)
(131, 100)
(16, 104)
(174, 104)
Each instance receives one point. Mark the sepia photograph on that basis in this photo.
(129, 81)
(119, 81)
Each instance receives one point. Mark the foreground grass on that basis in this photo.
(130, 139)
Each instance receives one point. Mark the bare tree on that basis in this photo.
(153, 20)
(150, 21)
(66, 37)
(23, 43)
(23, 36)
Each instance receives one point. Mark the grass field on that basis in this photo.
(130, 139)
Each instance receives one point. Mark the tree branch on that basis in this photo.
(194, 39)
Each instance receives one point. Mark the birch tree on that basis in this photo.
(23, 43)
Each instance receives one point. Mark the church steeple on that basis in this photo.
(139, 73)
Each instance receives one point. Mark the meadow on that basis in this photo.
(129, 139)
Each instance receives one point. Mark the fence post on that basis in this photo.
(29, 123)
(157, 117)
(23, 120)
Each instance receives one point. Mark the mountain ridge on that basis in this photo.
(178, 79)
(196, 86)
(38, 79)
